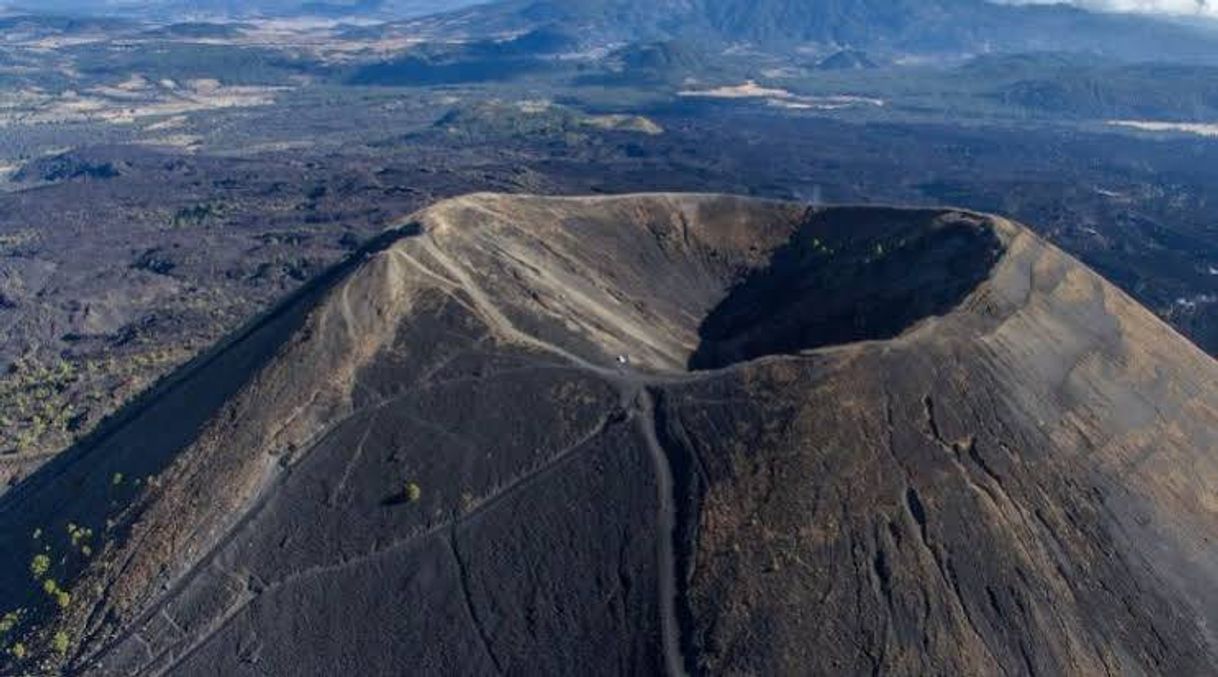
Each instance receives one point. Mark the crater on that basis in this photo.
(680, 283)
(848, 275)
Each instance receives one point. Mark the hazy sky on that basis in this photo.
(1181, 7)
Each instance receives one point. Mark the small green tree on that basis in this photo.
(60, 642)
(413, 492)
(40, 565)
(9, 621)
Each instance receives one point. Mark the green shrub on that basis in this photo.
(9, 621)
(79, 534)
(40, 565)
(60, 642)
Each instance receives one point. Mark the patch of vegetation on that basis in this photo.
(60, 642)
(57, 594)
(665, 63)
(47, 404)
(9, 621)
(156, 261)
(412, 492)
(65, 167)
(33, 399)
(184, 61)
(819, 247)
(80, 539)
(40, 565)
(79, 535)
(469, 62)
(198, 215)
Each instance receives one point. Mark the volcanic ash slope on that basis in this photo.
(645, 434)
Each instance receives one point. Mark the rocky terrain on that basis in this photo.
(652, 433)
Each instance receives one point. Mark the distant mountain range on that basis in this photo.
(880, 27)
(886, 26)
(174, 9)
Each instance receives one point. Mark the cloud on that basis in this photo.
(1204, 8)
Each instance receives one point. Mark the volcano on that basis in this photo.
(646, 434)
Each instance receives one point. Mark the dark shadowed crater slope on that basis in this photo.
(648, 434)
(848, 275)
